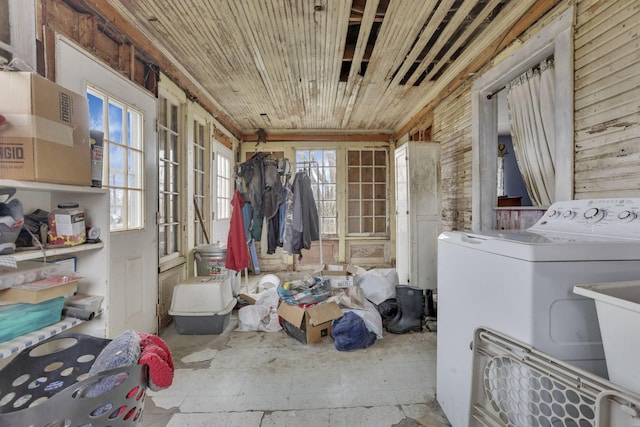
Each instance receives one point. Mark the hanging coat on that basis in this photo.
(237, 251)
(306, 222)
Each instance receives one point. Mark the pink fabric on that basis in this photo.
(156, 354)
(237, 251)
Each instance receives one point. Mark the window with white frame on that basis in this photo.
(322, 168)
(199, 180)
(169, 213)
(367, 192)
(123, 159)
(223, 187)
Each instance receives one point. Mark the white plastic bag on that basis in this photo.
(379, 284)
(262, 316)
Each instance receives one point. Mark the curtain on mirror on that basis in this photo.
(532, 117)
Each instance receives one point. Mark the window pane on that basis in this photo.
(173, 179)
(353, 174)
(134, 209)
(162, 146)
(329, 226)
(329, 192)
(134, 168)
(367, 174)
(173, 148)
(162, 245)
(354, 191)
(354, 208)
(116, 166)
(115, 123)
(174, 209)
(116, 200)
(172, 240)
(367, 191)
(96, 112)
(162, 203)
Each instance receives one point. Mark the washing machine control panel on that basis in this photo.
(618, 218)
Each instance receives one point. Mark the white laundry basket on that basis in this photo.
(618, 309)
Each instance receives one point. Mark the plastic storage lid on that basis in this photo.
(208, 249)
(68, 205)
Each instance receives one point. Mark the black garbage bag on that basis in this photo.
(351, 333)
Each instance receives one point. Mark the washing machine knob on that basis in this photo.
(569, 215)
(553, 213)
(594, 214)
(627, 216)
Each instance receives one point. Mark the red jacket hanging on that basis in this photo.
(237, 251)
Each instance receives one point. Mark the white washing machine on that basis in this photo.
(521, 284)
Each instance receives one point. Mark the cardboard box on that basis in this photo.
(309, 325)
(40, 291)
(341, 276)
(46, 133)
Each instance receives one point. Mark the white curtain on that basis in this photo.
(532, 116)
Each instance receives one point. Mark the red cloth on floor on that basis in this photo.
(237, 251)
(155, 353)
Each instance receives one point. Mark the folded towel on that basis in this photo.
(156, 354)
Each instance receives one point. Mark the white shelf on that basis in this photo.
(18, 344)
(44, 186)
(93, 258)
(34, 254)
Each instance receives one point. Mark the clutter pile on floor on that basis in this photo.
(354, 313)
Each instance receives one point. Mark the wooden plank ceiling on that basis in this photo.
(339, 65)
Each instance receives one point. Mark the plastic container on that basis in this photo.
(67, 225)
(618, 310)
(202, 307)
(19, 319)
(211, 260)
(27, 271)
(46, 385)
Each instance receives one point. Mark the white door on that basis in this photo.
(132, 293)
(222, 186)
(403, 241)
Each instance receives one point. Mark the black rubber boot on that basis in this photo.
(410, 311)
(430, 310)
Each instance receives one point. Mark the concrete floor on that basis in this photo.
(270, 379)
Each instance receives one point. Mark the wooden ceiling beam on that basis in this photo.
(533, 14)
(320, 137)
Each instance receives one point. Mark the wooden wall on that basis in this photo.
(607, 97)
(452, 129)
(607, 116)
